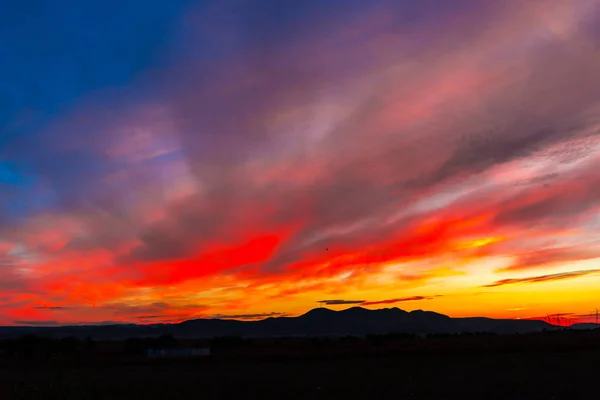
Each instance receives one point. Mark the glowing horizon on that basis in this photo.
(162, 162)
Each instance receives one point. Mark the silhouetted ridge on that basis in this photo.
(431, 314)
(316, 322)
(318, 311)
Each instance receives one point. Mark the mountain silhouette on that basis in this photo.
(316, 322)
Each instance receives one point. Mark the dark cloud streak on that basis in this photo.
(339, 302)
(545, 278)
(400, 300)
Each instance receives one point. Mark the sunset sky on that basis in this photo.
(168, 160)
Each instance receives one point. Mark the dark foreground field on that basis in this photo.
(561, 372)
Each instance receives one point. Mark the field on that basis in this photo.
(553, 366)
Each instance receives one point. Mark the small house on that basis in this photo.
(178, 352)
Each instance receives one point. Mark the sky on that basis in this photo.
(162, 161)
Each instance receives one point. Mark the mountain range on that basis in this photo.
(317, 322)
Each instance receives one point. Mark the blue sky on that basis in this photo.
(58, 53)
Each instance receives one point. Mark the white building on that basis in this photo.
(185, 352)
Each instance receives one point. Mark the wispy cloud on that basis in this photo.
(36, 323)
(340, 302)
(542, 258)
(545, 278)
(248, 316)
(399, 300)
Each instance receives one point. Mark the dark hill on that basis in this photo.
(320, 321)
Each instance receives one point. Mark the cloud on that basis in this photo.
(399, 300)
(539, 179)
(545, 278)
(554, 256)
(36, 323)
(156, 311)
(248, 316)
(292, 152)
(340, 302)
(171, 318)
